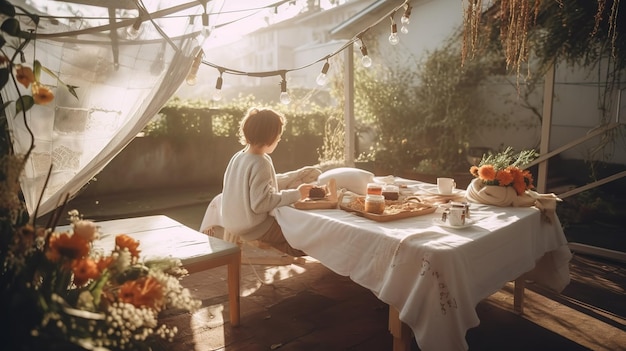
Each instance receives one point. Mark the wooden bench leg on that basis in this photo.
(402, 334)
(234, 267)
(518, 295)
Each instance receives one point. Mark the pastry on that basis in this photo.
(317, 192)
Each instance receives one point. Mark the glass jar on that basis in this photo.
(374, 189)
(375, 204)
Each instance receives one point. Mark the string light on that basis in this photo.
(192, 76)
(322, 79)
(405, 19)
(205, 20)
(365, 60)
(217, 94)
(284, 95)
(133, 31)
(393, 37)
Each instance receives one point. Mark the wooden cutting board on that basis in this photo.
(329, 202)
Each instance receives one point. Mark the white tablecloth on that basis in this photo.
(434, 276)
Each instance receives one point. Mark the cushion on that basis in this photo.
(351, 179)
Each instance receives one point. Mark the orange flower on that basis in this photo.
(65, 245)
(143, 292)
(474, 171)
(24, 75)
(124, 241)
(505, 177)
(84, 269)
(487, 172)
(41, 93)
(104, 263)
(518, 181)
(528, 179)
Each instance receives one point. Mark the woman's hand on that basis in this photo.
(304, 190)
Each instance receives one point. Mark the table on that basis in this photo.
(433, 276)
(160, 236)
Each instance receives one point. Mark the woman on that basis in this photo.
(250, 190)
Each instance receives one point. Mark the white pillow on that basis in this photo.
(351, 179)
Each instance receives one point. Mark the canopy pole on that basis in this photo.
(349, 137)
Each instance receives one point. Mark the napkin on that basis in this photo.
(546, 203)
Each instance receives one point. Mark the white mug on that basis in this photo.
(456, 216)
(445, 186)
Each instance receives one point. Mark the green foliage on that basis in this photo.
(183, 118)
(424, 117)
(508, 157)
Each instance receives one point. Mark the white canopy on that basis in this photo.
(122, 83)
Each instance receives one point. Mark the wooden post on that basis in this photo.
(546, 125)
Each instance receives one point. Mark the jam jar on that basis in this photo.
(375, 204)
(374, 189)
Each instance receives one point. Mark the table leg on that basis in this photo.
(233, 288)
(402, 334)
(518, 295)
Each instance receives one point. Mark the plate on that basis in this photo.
(455, 192)
(468, 223)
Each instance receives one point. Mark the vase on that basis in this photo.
(503, 196)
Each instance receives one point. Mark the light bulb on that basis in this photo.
(205, 32)
(192, 76)
(133, 31)
(192, 79)
(284, 96)
(322, 79)
(405, 19)
(217, 94)
(366, 61)
(394, 39)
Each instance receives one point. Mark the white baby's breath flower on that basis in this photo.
(86, 230)
(85, 301)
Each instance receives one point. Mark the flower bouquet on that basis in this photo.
(501, 180)
(56, 287)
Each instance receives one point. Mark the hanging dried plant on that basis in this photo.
(516, 19)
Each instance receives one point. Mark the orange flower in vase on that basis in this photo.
(504, 171)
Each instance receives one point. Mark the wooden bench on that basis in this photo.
(161, 236)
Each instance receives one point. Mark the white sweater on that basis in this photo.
(250, 192)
